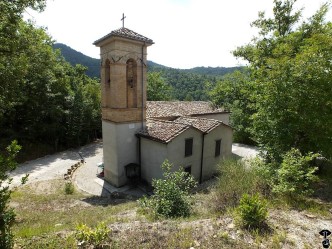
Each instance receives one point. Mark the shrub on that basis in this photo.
(252, 211)
(7, 214)
(69, 188)
(235, 179)
(295, 175)
(88, 236)
(171, 195)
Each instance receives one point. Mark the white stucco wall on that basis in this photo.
(176, 151)
(154, 153)
(209, 160)
(120, 147)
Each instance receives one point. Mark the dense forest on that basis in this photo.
(45, 103)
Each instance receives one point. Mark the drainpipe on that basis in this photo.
(139, 155)
(201, 174)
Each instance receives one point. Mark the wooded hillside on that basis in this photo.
(187, 84)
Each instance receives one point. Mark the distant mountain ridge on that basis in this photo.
(74, 57)
(187, 84)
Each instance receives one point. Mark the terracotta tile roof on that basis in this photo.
(125, 33)
(157, 109)
(162, 131)
(203, 124)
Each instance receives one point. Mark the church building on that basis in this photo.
(138, 135)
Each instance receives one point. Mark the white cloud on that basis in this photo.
(187, 33)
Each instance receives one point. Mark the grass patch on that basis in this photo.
(235, 179)
(69, 188)
(39, 214)
(47, 217)
(50, 241)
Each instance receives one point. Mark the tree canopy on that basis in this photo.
(44, 100)
(291, 66)
(284, 101)
(157, 88)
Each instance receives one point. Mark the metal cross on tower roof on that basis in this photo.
(122, 19)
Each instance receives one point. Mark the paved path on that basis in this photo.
(85, 177)
(56, 165)
(244, 151)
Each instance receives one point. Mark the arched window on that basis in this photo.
(131, 76)
(107, 73)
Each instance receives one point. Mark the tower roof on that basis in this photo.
(124, 33)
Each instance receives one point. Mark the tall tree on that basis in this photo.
(12, 47)
(43, 99)
(291, 66)
(234, 93)
(157, 88)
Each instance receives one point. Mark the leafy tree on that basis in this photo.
(234, 93)
(84, 108)
(290, 65)
(295, 175)
(7, 215)
(12, 47)
(43, 99)
(172, 194)
(157, 88)
(10, 19)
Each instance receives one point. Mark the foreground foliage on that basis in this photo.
(7, 215)
(171, 195)
(296, 175)
(92, 236)
(234, 180)
(252, 211)
(49, 220)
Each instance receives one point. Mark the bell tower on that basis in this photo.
(123, 55)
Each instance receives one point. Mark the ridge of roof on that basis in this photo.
(203, 124)
(162, 130)
(125, 33)
(180, 108)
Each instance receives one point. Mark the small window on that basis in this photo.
(187, 169)
(188, 147)
(217, 149)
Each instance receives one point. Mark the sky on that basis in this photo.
(186, 33)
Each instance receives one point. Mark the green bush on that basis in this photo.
(295, 175)
(69, 188)
(235, 179)
(252, 211)
(171, 195)
(88, 236)
(7, 214)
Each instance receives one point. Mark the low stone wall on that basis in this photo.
(72, 169)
